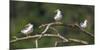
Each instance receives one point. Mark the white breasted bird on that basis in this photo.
(83, 24)
(27, 29)
(58, 16)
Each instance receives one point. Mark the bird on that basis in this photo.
(27, 29)
(83, 24)
(58, 15)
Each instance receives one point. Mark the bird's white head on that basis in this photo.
(29, 24)
(57, 10)
(85, 21)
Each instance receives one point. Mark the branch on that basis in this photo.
(73, 40)
(47, 27)
(56, 43)
(63, 38)
(59, 34)
(91, 34)
(69, 25)
(36, 43)
(36, 36)
(79, 41)
(29, 37)
(54, 35)
(54, 23)
(49, 35)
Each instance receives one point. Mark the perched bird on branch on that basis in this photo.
(58, 15)
(27, 29)
(83, 24)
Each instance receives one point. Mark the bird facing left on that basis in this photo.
(83, 24)
(58, 15)
(27, 29)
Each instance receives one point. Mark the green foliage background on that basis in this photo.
(22, 12)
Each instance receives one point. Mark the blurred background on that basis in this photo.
(22, 13)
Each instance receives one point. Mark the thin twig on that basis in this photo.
(79, 41)
(53, 23)
(54, 30)
(63, 38)
(45, 31)
(47, 27)
(36, 43)
(59, 34)
(72, 40)
(56, 43)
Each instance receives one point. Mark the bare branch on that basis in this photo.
(54, 30)
(56, 43)
(49, 26)
(36, 43)
(54, 23)
(69, 25)
(79, 41)
(35, 36)
(63, 38)
(72, 40)
(59, 34)
(49, 35)
(91, 34)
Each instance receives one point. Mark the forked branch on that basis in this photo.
(49, 26)
(50, 35)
